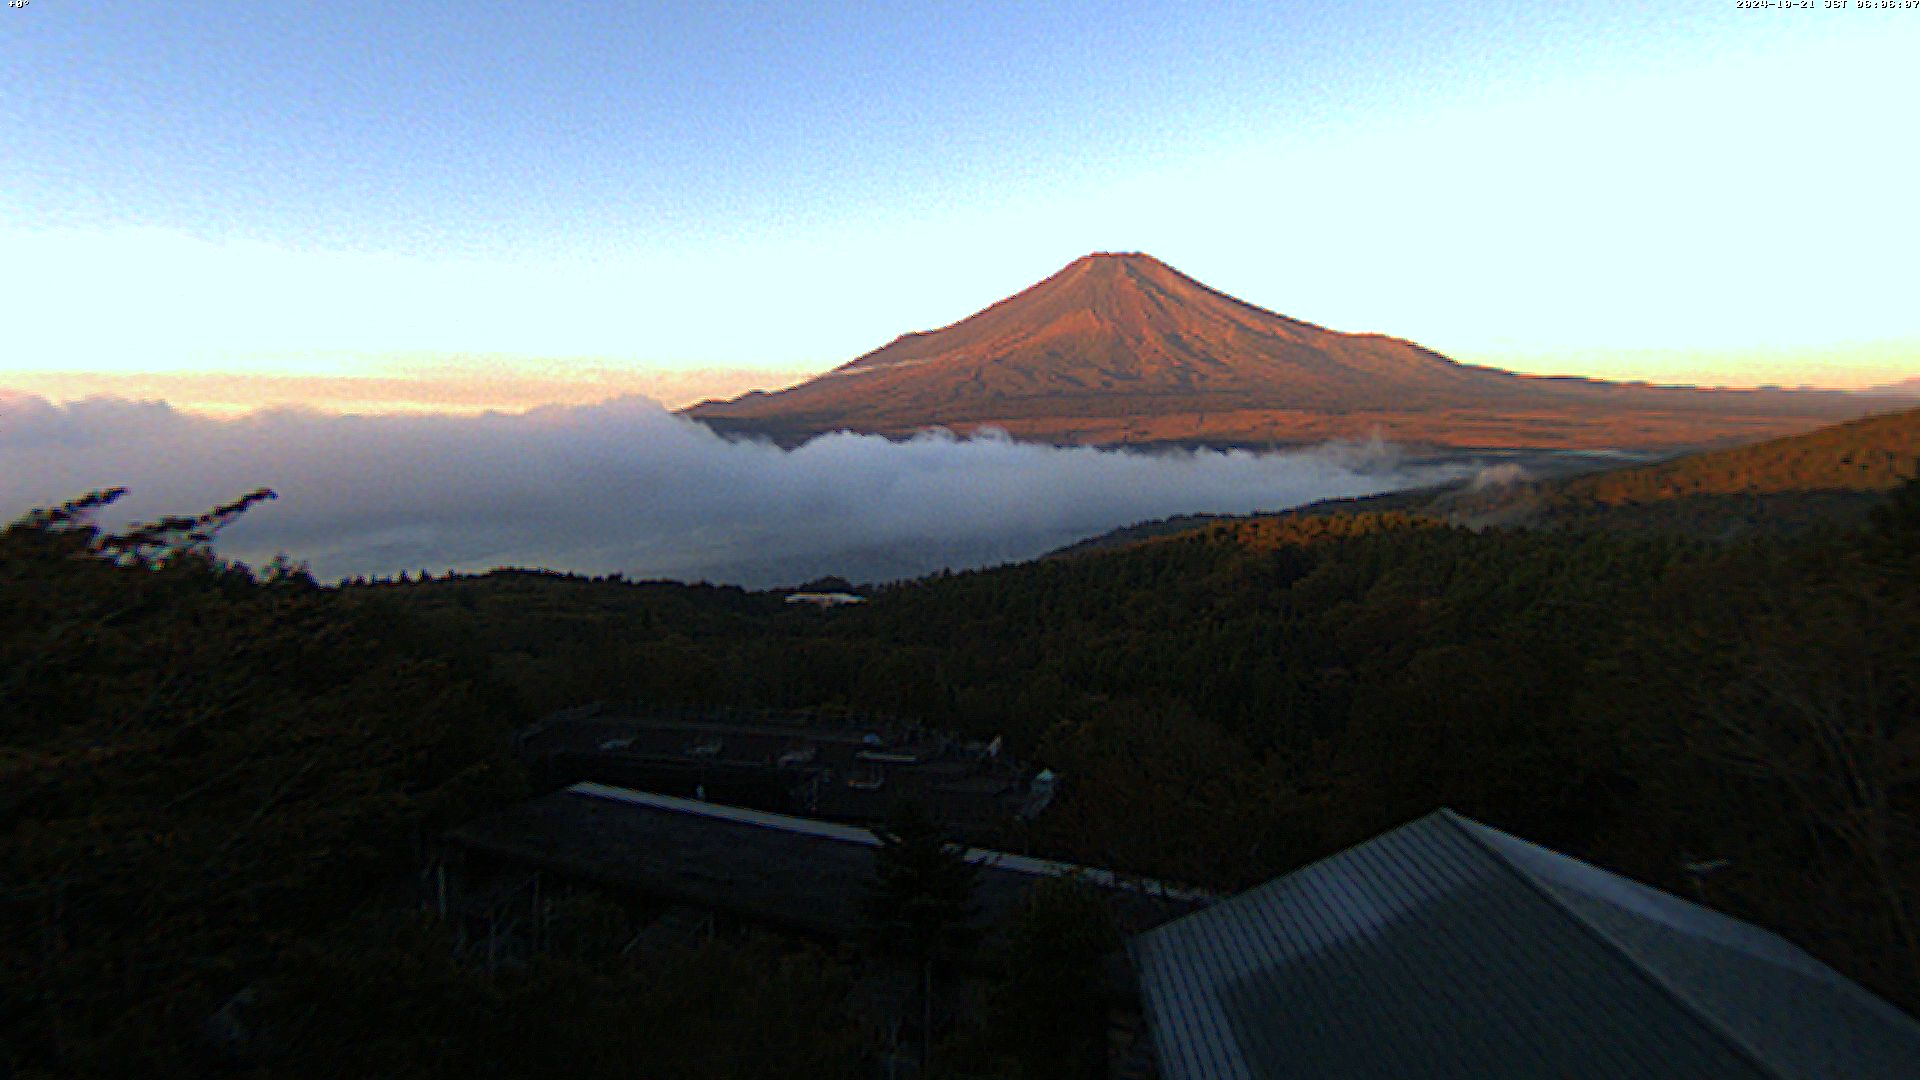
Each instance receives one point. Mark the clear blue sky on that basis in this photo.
(1674, 190)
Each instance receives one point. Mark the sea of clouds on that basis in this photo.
(626, 486)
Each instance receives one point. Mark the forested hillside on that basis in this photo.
(1872, 454)
(1826, 478)
(213, 782)
(214, 788)
(1231, 703)
(1781, 486)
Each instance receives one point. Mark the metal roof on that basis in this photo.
(1446, 948)
(804, 826)
(800, 873)
(982, 857)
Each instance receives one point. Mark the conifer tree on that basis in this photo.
(919, 906)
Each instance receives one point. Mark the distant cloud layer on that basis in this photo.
(626, 486)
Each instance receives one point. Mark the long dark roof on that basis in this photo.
(1446, 948)
(799, 873)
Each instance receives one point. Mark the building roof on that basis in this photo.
(825, 599)
(799, 873)
(793, 763)
(1446, 948)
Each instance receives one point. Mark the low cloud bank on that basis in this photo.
(626, 486)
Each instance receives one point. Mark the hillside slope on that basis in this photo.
(1232, 703)
(1831, 476)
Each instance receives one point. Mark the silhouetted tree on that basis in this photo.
(919, 906)
(1048, 1010)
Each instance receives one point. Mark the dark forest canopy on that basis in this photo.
(213, 781)
(1231, 703)
(214, 788)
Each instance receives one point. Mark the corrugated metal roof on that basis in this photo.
(1446, 948)
(1799, 1016)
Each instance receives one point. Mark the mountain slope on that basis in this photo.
(1830, 477)
(1873, 454)
(1905, 388)
(1123, 349)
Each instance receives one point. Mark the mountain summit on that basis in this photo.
(1124, 349)
(1133, 324)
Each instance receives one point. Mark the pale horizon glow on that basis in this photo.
(460, 386)
(241, 207)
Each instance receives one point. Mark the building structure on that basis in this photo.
(826, 599)
(849, 769)
(685, 869)
(1449, 949)
(798, 875)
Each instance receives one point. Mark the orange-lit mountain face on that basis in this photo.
(1124, 349)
